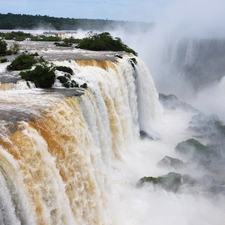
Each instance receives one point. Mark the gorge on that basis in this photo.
(74, 156)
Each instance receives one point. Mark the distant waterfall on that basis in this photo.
(56, 151)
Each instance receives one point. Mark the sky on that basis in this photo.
(127, 10)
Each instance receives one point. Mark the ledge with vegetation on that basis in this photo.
(104, 42)
(35, 69)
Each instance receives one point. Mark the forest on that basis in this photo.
(23, 21)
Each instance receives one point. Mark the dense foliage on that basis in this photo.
(42, 75)
(45, 38)
(104, 42)
(3, 60)
(5, 50)
(22, 62)
(3, 47)
(15, 35)
(65, 69)
(13, 21)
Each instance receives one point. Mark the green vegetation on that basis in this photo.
(169, 182)
(104, 42)
(12, 21)
(15, 35)
(42, 75)
(3, 47)
(45, 38)
(71, 40)
(22, 62)
(193, 147)
(3, 60)
(13, 49)
(67, 82)
(133, 62)
(65, 69)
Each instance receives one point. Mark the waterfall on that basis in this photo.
(57, 150)
(190, 54)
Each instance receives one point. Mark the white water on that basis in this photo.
(80, 163)
(156, 206)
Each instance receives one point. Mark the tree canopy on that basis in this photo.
(104, 42)
(23, 21)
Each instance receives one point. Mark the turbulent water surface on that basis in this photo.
(75, 156)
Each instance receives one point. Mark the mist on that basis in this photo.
(185, 55)
(185, 51)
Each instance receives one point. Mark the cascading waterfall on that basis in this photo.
(57, 151)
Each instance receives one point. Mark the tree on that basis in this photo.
(22, 62)
(42, 75)
(3, 47)
(104, 42)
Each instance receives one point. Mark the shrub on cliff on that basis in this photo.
(3, 47)
(22, 62)
(42, 75)
(169, 182)
(104, 42)
(65, 69)
(3, 60)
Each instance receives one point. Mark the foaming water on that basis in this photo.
(69, 159)
(150, 205)
(64, 148)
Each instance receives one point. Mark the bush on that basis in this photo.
(67, 82)
(3, 60)
(3, 47)
(104, 42)
(16, 35)
(42, 75)
(22, 62)
(65, 69)
(45, 38)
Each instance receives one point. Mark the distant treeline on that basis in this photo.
(22, 21)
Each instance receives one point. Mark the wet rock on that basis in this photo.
(194, 149)
(118, 56)
(144, 135)
(170, 162)
(84, 85)
(169, 182)
(172, 102)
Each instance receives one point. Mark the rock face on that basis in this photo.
(169, 162)
(203, 170)
(194, 149)
(172, 102)
(169, 182)
(144, 135)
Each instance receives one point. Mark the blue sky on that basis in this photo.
(131, 10)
